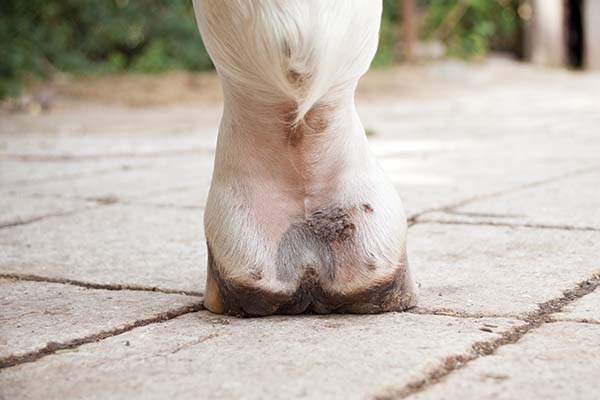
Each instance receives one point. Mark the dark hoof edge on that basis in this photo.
(242, 300)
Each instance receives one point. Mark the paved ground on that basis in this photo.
(102, 255)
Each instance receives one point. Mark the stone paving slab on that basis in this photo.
(96, 130)
(16, 209)
(114, 244)
(205, 356)
(15, 173)
(557, 361)
(498, 270)
(447, 172)
(486, 101)
(584, 309)
(112, 144)
(33, 314)
(193, 196)
(570, 202)
(163, 175)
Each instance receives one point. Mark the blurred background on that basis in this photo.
(59, 41)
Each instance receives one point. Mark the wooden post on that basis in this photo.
(591, 33)
(409, 28)
(546, 40)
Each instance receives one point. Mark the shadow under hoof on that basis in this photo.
(233, 298)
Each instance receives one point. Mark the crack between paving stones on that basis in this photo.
(510, 225)
(481, 214)
(54, 347)
(162, 205)
(79, 157)
(104, 200)
(38, 218)
(73, 176)
(100, 201)
(575, 320)
(414, 217)
(195, 342)
(524, 186)
(448, 312)
(485, 348)
(114, 200)
(97, 286)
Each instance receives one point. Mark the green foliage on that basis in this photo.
(388, 34)
(467, 27)
(38, 37)
(370, 132)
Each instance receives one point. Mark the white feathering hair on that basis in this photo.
(298, 50)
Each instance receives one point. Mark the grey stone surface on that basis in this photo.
(431, 174)
(585, 309)
(569, 202)
(16, 209)
(499, 100)
(88, 129)
(204, 356)
(557, 361)
(16, 173)
(446, 145)
(162, 175)
(498, 270)
(192, 196)
(119, 244)
(32, 314)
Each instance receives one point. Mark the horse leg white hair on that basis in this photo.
(300, 217)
